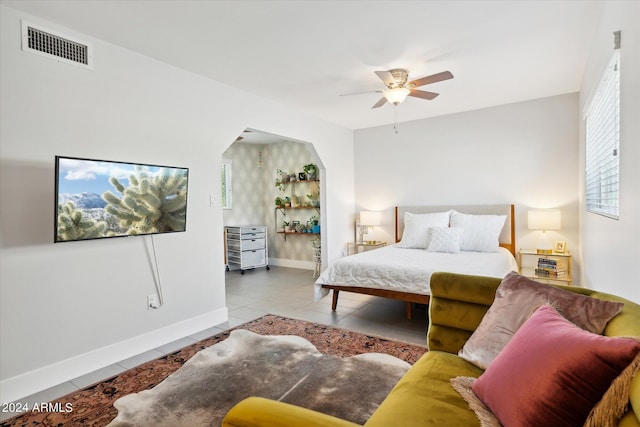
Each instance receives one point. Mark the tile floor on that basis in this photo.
(284, 291)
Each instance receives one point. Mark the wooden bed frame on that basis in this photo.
(507, 240)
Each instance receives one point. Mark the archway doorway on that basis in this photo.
(256, 163)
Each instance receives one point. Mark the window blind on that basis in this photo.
(603, 143)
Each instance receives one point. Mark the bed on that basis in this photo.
(471, 239)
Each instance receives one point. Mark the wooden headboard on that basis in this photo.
(507, 237)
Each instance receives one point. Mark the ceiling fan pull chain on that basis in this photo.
(395, 119)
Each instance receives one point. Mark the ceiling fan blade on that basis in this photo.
(445, 75)
(423, 94)
(380, 103)
(386, 77)
(360, 93)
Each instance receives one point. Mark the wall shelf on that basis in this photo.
(295, 212)
(284, 234)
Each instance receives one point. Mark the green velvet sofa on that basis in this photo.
(424, 396)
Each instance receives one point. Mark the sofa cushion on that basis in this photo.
(424, 396)
(553, 373)
(516, 298)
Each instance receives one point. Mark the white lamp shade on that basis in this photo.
(370, 218)
(544, 219)
(396, 95)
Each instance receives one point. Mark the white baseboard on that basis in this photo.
(292, 263)
(26, 384)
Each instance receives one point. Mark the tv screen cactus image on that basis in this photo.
(73, 225)
(97, 199)
(151, 203)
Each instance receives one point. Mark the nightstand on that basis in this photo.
(355, 248)
(554, 268)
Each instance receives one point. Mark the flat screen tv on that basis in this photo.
(97, 199)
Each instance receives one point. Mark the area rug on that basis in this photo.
(285, 368)
(93, 406)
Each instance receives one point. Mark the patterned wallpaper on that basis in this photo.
(254, 175)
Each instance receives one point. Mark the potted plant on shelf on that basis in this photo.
(286, 227)
(280, 182)
(313, 199)
(315, 224)
(311, 170)
(284, 176)
(279, 202)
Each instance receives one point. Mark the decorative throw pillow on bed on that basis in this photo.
(481, 232)
(416, 228)
(445, 239)
(555, 374)
(516, 298)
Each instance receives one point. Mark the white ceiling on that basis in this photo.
(304, 54)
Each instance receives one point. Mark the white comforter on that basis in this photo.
(409, 270)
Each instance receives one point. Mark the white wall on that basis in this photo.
(70, 308)
(611, 248)
(522, 153)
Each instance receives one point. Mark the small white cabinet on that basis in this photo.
(246, 247)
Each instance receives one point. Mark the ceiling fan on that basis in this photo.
(398, 88)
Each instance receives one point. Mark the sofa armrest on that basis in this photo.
(258, 411)
(458, 304)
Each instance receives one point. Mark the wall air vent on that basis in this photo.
(54, 45)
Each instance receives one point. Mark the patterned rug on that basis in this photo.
(93, 406)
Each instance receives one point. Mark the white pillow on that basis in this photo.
(445, 239)
(416, 228)
(481, 232)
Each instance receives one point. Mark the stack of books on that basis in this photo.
(551, 268)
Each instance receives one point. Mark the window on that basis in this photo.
(227, 197)
(603, 143)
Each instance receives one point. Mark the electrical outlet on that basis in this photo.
(152, 302)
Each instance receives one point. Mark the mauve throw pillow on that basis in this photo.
(553, 373)
(516, 298)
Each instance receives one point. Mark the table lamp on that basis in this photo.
(368, 219)
(544, 219)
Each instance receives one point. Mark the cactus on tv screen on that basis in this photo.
(98, 199)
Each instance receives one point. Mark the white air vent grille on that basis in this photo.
(55, 45)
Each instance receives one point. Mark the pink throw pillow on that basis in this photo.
(552, 373)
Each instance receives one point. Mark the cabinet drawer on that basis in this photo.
(253, 258)
(247, 245)
(234, 258)
(252, 230)
(253, 235)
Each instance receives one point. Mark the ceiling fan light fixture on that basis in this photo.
(396, 95)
